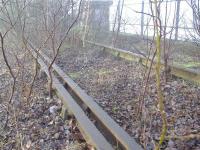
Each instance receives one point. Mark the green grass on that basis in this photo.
(191, 64)
(114, 109)
(64, 47)
(74, 75)
(103, 71)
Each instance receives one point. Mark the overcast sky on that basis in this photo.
(131, 17)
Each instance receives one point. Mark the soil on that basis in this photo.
(34, 123)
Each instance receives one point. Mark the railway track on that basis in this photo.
(96, 126)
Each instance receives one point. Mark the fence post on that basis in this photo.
(142, 18)
(177, 19)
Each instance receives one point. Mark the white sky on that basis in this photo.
(131, 17)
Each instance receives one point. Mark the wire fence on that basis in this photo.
(176, 15)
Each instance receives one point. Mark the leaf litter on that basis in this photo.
(118, 88)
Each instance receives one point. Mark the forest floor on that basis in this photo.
(34, 122)
(117, 85)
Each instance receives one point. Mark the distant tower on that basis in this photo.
(99, 14)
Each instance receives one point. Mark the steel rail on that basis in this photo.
(87, 128)
(108, 127)
(111, 131)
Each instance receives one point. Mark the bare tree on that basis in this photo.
(118, 19)
(158, 29)
(58, 43)
(10, 22)
(86, 26)
(195, 6)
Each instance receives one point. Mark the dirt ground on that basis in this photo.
(116, 85)
(34, 123)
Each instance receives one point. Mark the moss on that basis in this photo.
(128, 57)
(114, 109)
(113, 52)
(123, 55)
(103, 71)
(74, 75)
(191, 76)
(64, 47)
(191, 64)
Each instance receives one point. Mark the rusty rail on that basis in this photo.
(105, 133)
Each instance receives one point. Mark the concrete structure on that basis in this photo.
(99, 11)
